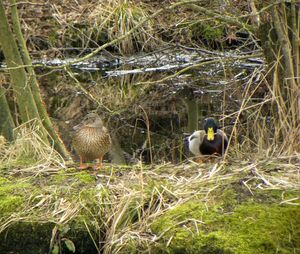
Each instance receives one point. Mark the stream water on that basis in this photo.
(147, 104)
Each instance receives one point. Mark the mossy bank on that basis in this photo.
(188, 208)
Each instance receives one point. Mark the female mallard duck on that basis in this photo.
(210, 141)
(91, 140)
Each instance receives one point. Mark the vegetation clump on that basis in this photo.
(212, 208)
(248, 228)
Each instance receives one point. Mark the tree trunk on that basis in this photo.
(6, 122)
(280, 39)
(26, 105)
(25, 86)
(33, 83)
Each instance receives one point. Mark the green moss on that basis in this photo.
(73, 178)
(8, 187)
(85, 177)
(12, 188)
(228, 198)
(3, 180)
(10, 204)
(212, 33)
(61, 178)
(208, 32)
(88, 195)
(250, 228)
(12, 196)
(263, 227)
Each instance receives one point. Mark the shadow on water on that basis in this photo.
(148, 115)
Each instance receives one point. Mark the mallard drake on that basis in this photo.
(210, 141)
(91, 140)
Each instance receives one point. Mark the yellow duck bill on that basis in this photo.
(210, 134)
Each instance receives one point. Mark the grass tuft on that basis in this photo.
(28, 152)
(116, 18)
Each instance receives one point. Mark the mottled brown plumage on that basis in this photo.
(91, 140)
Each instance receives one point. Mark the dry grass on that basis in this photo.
(116, 18)
(28, 152)
(140, 195)
(266, 127)
(123, 201)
